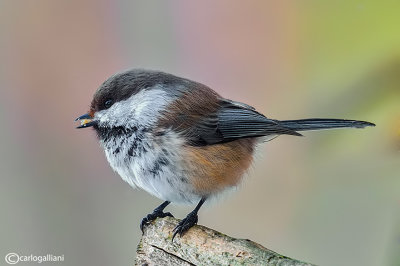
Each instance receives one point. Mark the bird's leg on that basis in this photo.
(157, 213)
(190, 220)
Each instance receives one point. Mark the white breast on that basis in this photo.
(152, 163)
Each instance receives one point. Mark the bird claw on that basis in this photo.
(185, 225)
(151, 217)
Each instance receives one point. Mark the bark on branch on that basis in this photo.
(202, 246)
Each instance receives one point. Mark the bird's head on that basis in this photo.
(131, 99)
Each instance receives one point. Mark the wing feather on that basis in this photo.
(205, 118)
(235, 121)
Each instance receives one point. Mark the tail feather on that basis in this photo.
(322, 123)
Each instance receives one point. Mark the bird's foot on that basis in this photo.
(152, 216)
(184, 225)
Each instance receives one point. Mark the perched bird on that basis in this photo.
(179, 140)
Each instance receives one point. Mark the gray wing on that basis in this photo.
(234, 121)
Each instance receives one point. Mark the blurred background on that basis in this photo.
(330, 198)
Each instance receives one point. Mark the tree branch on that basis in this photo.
(202, 246)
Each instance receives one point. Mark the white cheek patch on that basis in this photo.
(142, 108)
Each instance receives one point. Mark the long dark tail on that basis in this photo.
(322, 123)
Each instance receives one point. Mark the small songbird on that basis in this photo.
(181, 141)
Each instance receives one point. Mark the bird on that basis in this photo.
(181, 141)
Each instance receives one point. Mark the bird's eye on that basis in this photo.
(108, 103)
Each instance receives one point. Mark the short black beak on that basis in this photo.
(86, 121)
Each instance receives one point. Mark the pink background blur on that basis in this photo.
(330, 198)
